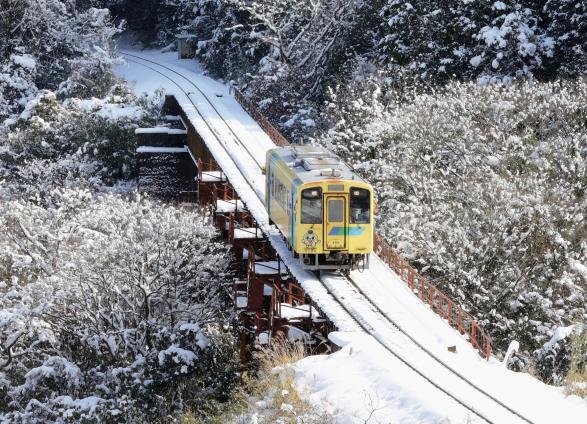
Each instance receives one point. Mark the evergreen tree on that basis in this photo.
(567, 27)
(444, 40)
(431, 39)
(509, 42)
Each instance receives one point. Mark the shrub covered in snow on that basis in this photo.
(272, 395)
(111, 308)
(76, 143)
(484, 189)
(52, 44)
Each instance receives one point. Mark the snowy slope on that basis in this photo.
(239, 144)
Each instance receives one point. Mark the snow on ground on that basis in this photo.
(104, 109)
(362, 379)
(362, 376)
(526, 395)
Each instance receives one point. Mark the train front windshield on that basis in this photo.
(360, 206)
(312, 206)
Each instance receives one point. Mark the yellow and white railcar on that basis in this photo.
(321, 206)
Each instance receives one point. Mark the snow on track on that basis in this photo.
(238, 144)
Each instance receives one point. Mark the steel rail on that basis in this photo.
(369, 330)
(341, 303)
(235, 136)
(431, 354)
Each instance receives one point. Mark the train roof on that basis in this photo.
(315, 163)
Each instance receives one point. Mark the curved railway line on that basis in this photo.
(352, 285)
(236, 138)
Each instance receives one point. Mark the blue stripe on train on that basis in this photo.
(351, 231)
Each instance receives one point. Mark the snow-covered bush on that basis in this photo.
(52, 44)
(552, 360)
(484, 189)
(111, 308)
(78, 143)
(563, 359)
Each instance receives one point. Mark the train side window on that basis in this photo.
(312, 206)
(360, 206)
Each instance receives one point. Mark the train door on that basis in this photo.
(335, 228)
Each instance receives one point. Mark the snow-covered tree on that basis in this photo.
(51, 44)
(445, 40)
(76, 143)
(483, 188)
(567, 26)
(120, 305)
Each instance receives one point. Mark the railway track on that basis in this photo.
(361, 322)
(235, 136)
(370, 330)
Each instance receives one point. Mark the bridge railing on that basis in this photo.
(263, 122)
(439, 302)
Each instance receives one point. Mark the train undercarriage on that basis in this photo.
(336, 260)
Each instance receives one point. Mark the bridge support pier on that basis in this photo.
(268, 299)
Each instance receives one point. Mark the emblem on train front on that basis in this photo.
(310, 239)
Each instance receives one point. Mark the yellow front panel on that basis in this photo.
(343, 236)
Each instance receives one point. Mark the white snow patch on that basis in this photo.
(104, 109)
(160, 130)
(178, 355)
(154, 149)
(476, 61)
(25, 61)
(560, 333)
(580, 268)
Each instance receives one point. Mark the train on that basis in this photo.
(322, 207)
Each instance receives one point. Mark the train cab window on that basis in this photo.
(360, 205)
(312, 206)
(336, 210)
